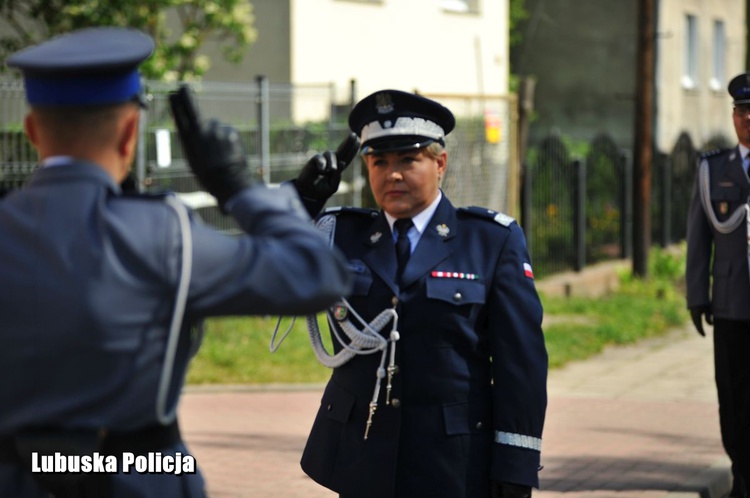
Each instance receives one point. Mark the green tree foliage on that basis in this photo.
(518, 13)
(179, 27)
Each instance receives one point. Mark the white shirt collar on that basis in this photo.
(743, 151)
(57, 161)
(420, 221)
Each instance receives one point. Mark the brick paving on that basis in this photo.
(634, 422)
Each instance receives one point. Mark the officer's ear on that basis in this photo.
(128, 136)
(30, 127)
(442, 161)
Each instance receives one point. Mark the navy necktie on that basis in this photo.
(403, 245)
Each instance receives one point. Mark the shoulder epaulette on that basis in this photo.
(713, 152)
(488, 214)
(132, 194)
(372, 213)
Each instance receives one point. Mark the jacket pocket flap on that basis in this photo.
(337, 403)
(455, 290)
(466, 417)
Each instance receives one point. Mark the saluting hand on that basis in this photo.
(320, 177)
(213, 150)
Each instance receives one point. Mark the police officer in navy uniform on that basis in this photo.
(718, 283)
(464, 408)
(100, 291)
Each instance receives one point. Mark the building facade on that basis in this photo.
(431, 46)
(582, 54)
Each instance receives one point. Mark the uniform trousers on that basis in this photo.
(732, 369)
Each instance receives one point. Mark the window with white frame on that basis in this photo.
(690, 69)
(718, 56)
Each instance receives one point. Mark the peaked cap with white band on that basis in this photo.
(392, 120)
(739, 89)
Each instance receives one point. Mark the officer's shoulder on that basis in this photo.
(349, 211)
(714, 153)
(143, 200)
(489, 215)
(146, 196)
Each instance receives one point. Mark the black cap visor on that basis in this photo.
(397, 144)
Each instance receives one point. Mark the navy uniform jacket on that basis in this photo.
(88, 280)
(730, 293)
(472, 364)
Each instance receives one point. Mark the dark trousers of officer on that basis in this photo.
(731, 350)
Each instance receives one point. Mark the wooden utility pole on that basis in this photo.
(644, 131)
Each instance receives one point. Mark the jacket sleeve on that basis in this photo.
(699, 242)
(280, 265)
(519, 364)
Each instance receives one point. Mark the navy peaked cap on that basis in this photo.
(92, 66)
(392, 120)
(739, 89)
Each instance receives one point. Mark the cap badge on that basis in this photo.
(375, 237)
(383, 103)
(723, 208)
(443, 230)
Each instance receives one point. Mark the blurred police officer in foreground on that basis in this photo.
(100, 291)
(717, 236)
(461, 411)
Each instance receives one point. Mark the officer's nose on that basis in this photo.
(395, 173)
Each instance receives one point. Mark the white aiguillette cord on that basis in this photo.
(734, 220)
(163, 416)
(362, 341)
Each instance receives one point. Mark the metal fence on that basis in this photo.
(575, 207)
(281, 126)
(17, 158)
(579, 210)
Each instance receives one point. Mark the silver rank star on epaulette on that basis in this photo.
(489, 214)
(504, 219)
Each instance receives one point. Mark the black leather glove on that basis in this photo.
(509, 490)
(213, 150)
(319, 179)
(697, 313)
(221, 166)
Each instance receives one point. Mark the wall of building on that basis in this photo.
(582, 54)
(702, 108)
(270, 55)
(410, 45)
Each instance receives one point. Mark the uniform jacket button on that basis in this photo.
(457, 296)
(479, 425)
(395, 402)
(329, 407)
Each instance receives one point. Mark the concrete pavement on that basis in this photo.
(636, 421)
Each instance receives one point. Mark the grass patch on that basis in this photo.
(236, 350)
(576, 328)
